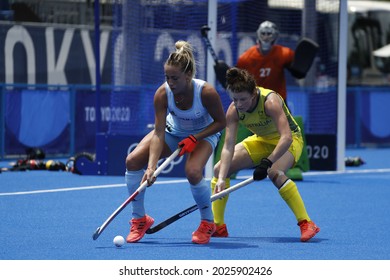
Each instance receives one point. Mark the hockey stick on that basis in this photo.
(220, 66)
(191, 209)
(100, 229)
(203, 30)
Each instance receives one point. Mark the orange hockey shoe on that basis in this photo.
(308, 230)
(139, 228)
(203, 234)
(221, 231)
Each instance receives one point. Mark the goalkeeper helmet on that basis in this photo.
(267, 33)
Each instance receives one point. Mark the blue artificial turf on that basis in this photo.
(47, 215)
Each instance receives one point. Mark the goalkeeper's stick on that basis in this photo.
(100, 229)
(203, 30)
(191, 209)
(220, 66)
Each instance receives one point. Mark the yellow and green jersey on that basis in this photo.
(262, 125)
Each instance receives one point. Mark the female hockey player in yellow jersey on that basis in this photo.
(274, 147)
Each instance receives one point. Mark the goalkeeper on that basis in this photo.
(274, 147)
(266, 60)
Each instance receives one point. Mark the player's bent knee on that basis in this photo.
(134, 162)
(194, 175)
(276, 175)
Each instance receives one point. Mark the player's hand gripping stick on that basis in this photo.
(187, 145)
(261, 171)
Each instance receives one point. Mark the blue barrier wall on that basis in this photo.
(366, 112)
(63, 120)
(367, 123)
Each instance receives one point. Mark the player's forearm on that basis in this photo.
(226, 159)
(280, 149)
(213, 128)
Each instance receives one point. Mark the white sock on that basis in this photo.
(201, 193)
(133, 181)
